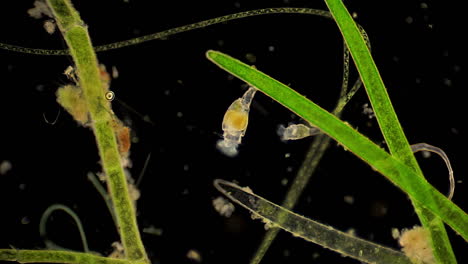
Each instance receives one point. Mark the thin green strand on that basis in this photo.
(173, 31)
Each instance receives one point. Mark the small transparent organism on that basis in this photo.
(235, 123)
(297, 131)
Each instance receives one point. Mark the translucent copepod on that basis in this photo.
(235, 123)
(297, 131)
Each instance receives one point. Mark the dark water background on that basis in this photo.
(417, 46)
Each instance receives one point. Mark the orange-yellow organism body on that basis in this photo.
(235, 123)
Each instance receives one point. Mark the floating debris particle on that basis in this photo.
(223, 206)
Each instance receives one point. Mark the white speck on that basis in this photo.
(354, 14)
(194, 255)
(179, 114)
(284, 181)
(409, 20)
(367, 110)
(186, 167)
(25, 220)
(426, 154)
(287, 155)
(395, 233)
(153, 231)
(348, 199)
(49, 26)
(315, 255)
(115, 72)
(5, 166)
(271, 48)
(447, 82)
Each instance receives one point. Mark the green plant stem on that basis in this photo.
(67, 210)
(77, 38)
(60, 256)
(310, 230)
(389, 124)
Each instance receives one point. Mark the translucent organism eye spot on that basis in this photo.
(110, 96)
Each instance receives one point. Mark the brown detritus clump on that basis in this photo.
(71, 98)
(416, 245)
(40, 10)
(123, 136)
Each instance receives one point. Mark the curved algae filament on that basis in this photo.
(166, 33)
(426, 147)
(310, 230)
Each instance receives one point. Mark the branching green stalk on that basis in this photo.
(388, 122)
(400, 174)
(60, 256)
(77, 38)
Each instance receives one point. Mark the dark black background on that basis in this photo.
(185, 95)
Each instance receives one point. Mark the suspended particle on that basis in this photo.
(5, 166)
(50, 26)
(115, 72)
(40, 10)
(71, 74)
(153, 230)
(223, 206)
(235, 123)
(194, 255)
(367, 110)
(297, 131)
